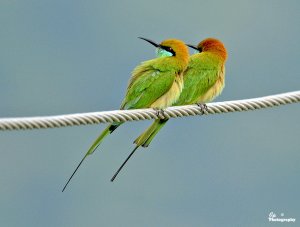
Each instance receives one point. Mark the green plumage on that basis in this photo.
(201, 75)
(203, 80)
(149, 81)
(145, 138)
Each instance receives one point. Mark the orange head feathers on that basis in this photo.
(212, 45)
(172, 48)
(177, 47)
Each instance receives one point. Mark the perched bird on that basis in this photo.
(204, 80)
(155, 83)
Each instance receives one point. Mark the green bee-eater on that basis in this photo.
(203, 81)
(155, 83)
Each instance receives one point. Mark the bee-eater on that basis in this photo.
(204, 80)
(155, 83)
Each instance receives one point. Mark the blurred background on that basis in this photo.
(59, 57)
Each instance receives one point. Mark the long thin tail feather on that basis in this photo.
(143, 140)
(123, 164)
(94, 146)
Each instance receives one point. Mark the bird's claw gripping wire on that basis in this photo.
(160, 113)
(203, 107)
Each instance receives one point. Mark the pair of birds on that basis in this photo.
(173, 78)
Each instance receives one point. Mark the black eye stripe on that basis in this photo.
(169, 49)
(200, 49)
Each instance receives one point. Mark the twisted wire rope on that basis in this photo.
(23, 123)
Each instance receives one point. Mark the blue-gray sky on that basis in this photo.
(61, 57)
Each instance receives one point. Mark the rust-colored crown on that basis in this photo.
(213, 45)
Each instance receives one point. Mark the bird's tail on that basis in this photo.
(144, 140)
(108, 130)
(147, 136)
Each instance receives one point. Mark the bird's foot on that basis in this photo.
(203, 107)
(160, 113)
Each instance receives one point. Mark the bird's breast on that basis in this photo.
(215, 90)
(171, 95)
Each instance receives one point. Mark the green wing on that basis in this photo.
(201, 74)
(146, 85)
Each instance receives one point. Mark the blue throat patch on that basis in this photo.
(163, 53)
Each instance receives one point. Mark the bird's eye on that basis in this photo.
(169, 49)
(200, 49)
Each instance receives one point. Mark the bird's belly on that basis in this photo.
(170, 96)
(215, 90)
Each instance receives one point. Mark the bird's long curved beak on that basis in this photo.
(150, 41)
(192, 46)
